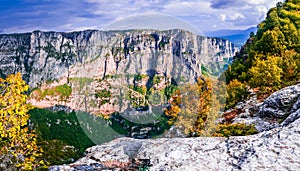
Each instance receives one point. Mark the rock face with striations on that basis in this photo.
(280, 108)
(102, 67)
(42, 56)
(274, 149)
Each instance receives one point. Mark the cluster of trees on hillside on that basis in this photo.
(270, 60)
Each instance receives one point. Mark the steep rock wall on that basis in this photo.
(42, 56)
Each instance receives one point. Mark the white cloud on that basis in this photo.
(222, 17)
(90, 14)
(235, 17)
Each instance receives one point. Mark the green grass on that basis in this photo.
(82, 81)
(64, 90)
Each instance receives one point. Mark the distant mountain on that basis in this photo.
(237, 37)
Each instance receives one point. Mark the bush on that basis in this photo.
(103, 94)
(227, 130)
(64, 90)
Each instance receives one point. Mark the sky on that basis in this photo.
(18, 16)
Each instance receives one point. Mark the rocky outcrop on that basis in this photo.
(281, 104)
(275, 148)
(280, 108)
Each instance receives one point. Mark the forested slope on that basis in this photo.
(270, 59)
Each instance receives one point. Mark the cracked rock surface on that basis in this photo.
(276, 149)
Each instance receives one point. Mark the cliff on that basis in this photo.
(102, 67)
(43, 56)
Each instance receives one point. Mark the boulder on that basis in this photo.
(281, 104)
(276, 149)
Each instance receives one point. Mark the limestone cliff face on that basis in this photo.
(42, 56)
(122, 62)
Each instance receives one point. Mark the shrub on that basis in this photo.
(103, 94)
(227, 130)
(64, 90)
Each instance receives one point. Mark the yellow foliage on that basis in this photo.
(199, 109)
(266, 74)
(174, 109)
(235, 92)
(18, 146)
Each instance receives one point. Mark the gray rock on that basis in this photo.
(42, 56)
(296, 105)
(277, 149)
(267, 115)
(291, 118)
(259, 123)
(281, 103)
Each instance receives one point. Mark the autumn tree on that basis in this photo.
(199, 108)
(235, 92)
(18, 148)
(266, 74)
(290, 64)
(173, 110)
(189, 108)
(270, 58)
(205, 99)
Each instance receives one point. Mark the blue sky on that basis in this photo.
(70, 15)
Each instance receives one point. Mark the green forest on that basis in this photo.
(269, 61)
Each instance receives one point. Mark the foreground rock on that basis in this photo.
(280, 108)
(277, 149)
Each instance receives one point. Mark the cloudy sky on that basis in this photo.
(70, 15)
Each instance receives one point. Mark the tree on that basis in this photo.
(271, 42)
(199, 109)
(290, 65)
(174, 109)
(204, 107)
(235, 92)
(18, 148)
(271, 59)
(189, 108)
(266, 74)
